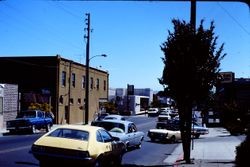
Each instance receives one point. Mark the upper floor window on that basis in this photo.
(97, 83)
(73, 79)
(63, 78)
(71, 100)
(83, 81)
(104, 85)
(91, 83)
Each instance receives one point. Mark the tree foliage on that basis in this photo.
(191, 70)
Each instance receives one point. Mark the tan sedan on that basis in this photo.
(75, 145)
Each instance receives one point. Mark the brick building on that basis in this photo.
(58, 82)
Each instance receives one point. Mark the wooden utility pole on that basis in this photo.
(87, 36)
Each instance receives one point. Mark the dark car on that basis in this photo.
(30, 121)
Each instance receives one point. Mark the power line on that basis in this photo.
(234, 19)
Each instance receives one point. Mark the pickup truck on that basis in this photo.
(30, 120)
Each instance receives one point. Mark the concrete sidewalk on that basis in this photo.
(216, 149)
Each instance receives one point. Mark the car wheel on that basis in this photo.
(43, 164)
(97, 163)
(197, 136)
(118, 161)
(152, 139)
(33, 129)
(48, 127)
(172, 139)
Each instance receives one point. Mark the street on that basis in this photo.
(14, 149)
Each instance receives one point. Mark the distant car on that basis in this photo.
(114, 116)
(30, 121)
(164, 116)
(164, 135)
(153, 112)
(126, 131)
(198, 130)
(101, 116)
(73, 145)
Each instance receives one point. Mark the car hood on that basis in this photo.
(65, 143)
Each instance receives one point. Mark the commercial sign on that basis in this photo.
(227, 77)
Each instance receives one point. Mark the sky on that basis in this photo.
(129, 33)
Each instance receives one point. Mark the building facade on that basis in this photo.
(8, 103)
(56, 81)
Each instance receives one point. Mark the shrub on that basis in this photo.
(243, 152)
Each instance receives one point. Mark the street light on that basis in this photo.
(87, 86)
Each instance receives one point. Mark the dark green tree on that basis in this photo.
(190, 72)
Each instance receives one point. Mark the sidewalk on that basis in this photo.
(216, 149)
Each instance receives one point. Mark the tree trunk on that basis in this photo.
(185, 113)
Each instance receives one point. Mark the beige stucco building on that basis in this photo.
(59, 82)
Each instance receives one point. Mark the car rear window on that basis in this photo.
(109, 125)
(70, 133)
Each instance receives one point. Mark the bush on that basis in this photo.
(243, 152)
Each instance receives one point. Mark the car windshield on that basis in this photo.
(70, 133)
(109, 125)
(27, 114)
(164, 113)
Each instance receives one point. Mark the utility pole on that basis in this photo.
(87, 36)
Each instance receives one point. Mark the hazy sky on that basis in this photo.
(130, 33)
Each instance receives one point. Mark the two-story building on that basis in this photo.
(56, 81)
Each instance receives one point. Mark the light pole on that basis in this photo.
(87, 86)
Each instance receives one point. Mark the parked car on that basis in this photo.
(164, 135)
(101, 116)
(114, 116)
(30, 121)
(73, 145)
(198, 130)
(173, 125)
(153, 112)
(164, 116)
(126, 131)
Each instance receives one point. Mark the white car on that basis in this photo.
(164, 135)
(164, 116)
(126, 131)
(153, 112)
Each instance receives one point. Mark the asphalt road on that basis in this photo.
(14, 149)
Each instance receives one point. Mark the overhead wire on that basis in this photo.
(234, 19)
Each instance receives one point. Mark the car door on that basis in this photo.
(133, 135)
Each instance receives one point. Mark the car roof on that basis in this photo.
(115, 121)
(79, 127)
(114, 116)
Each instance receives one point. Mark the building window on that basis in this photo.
(73, 79)
(61, 99)
(83, 81)
(91, 83)
(104, 85)
(97, 83)
(64, 78)
(71, 101)
(79, 100)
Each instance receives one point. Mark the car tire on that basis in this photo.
(197, 136)
(48, 127)
(152, 139)
(173, 139)
(33, 129)
(43, 164)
